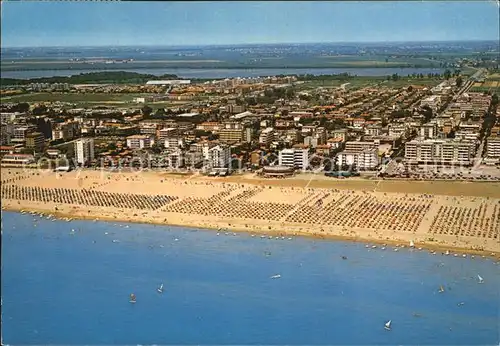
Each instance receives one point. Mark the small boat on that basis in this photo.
(447, 253)
(160, 289)
(480, 279)
(132, 298)
(344, 257)
(387, 325)
(277, 276)
(441, 289)
(412, 244)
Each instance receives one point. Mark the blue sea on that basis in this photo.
(61, 287)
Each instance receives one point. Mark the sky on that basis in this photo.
(89, 23)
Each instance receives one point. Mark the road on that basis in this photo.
(470, 81)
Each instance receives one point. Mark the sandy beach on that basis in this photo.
(448, 215)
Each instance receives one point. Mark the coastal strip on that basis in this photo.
(468, 224)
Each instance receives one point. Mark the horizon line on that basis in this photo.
(249, 44)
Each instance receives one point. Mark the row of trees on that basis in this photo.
(447, 74)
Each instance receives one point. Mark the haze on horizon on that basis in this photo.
(89, 24)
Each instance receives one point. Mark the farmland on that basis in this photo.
(490, 85)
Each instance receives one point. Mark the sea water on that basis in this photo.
(65, 287)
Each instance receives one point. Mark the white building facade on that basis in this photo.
(139, 141)
(218, 156)
(295, 157)
(84, 150)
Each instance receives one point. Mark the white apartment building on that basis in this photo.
(398, 130)
(139, 141)
(428, 130)
(358, 146)
(449, 152)
(367, 159)
(21, 132)
(433, 102)
(341, 133)
(373, 130)
(84, 150)
(219, 156)
(285, 157)
(170, 138)
(493, 149)
(148, 129)
(266, 136)
(173, 142)
(65, 131)
(175, 158)
(294, 157)
(9, 117)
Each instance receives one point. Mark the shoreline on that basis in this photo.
(435, 249)
(462, 217)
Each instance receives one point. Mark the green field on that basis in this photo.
(360, 82)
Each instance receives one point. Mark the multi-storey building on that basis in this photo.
(358, 146)
(444, 152)
(193, 158)
(148, 129)
(175, 158)
(35, 141)
(231, 135)
(65, 131)
(341, 133)
(209, 126)
(366, 159)
(84, 150)
(297, 157)
(266, 136)
(428, 130)
(139, 141)
(170, 138)
(166, 133)
(248, 133)
(7, 131)
(433, 102)
(219, 156)
(20, 132)
(373, 130)
(493, 149)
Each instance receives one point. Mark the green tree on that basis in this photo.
(160, 112)
(494, 99)
(447, 74)
(146, 111)
(459, 81)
